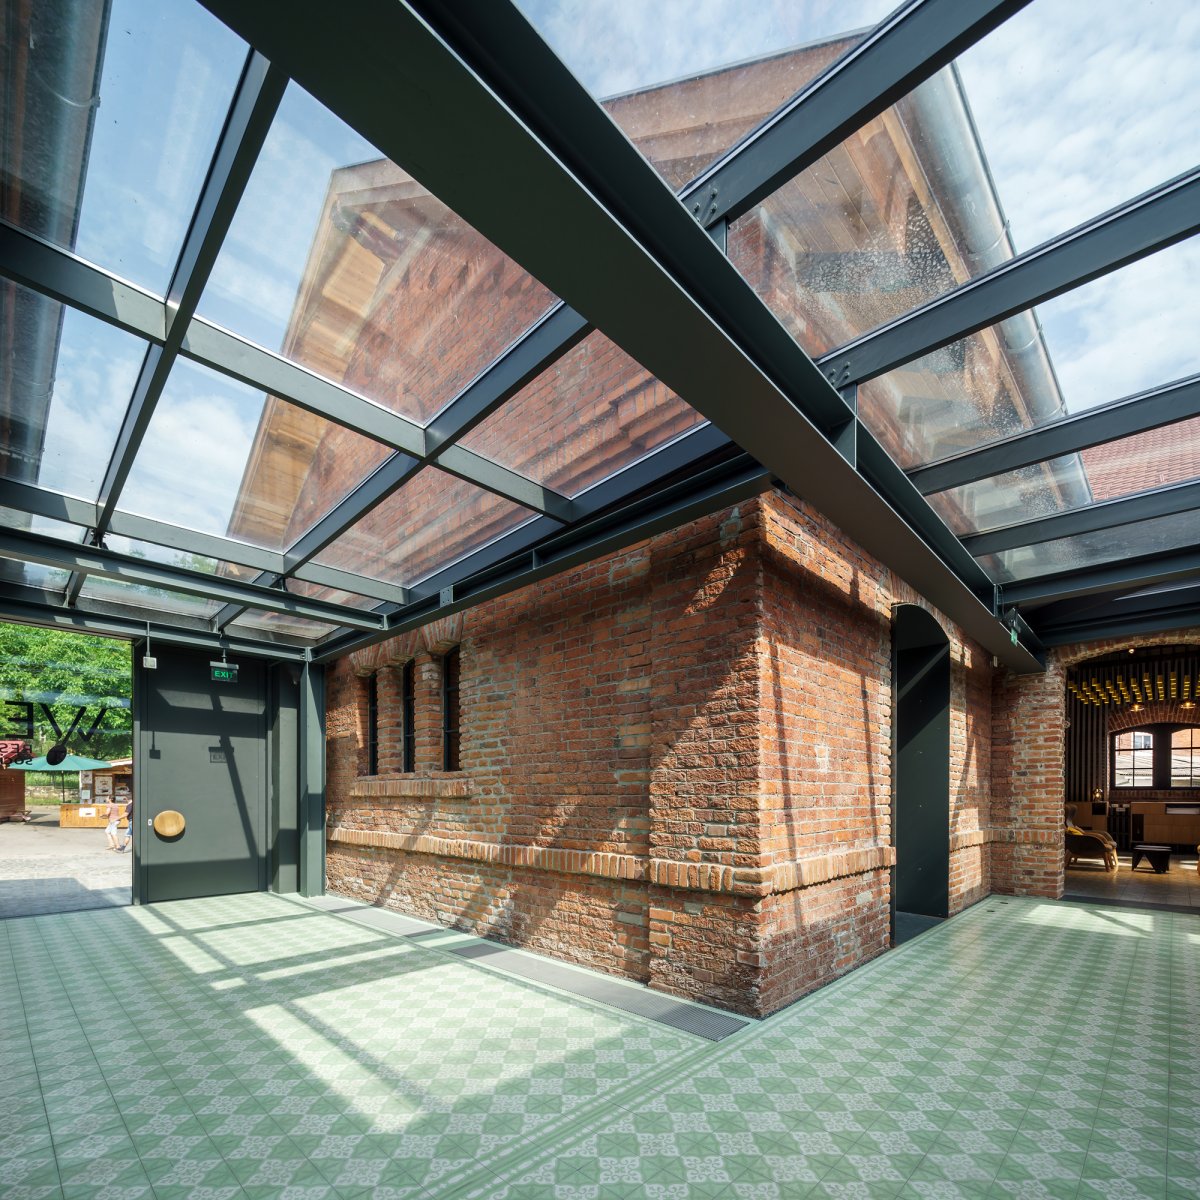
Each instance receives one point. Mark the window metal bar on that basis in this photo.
(372, 724)
(408, 717)
(1151, 222)
(450, 710)
(1122, 418)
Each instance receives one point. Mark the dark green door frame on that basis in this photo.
(921, 764)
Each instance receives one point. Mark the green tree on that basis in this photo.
(58, 673)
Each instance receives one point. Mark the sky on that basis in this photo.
(1079, 105)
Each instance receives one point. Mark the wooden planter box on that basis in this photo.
(84, 816)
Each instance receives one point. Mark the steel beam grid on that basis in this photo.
(1122, 418)
(1157, 219)
(94, 560)
(685, 292)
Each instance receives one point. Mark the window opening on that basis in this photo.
(1185, 757)
(373, 725)
(408, 726)
(450, 711)
(1133, 759)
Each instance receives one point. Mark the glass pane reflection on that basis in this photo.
(65, 383)
(593, 412)
(1041, 126)
(109, 116)
(149, 599)
(281, 627)
(686, 81)
(432, 521)
(1121, 334)
(365, 278)
(221, 458)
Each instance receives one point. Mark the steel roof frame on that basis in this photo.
(484, 58)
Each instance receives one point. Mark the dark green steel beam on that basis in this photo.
(1142, 571)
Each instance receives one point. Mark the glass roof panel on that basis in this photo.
(34, 575)
(12, 518)
(1044, 124)
(686, 81)
(365, 278)
(1122, 467)
(153, 600)
(65, 383)
(109, 118)
(1123, 333)
(221, 458)
(432, 521)
(1091, 549)
(607, 411)
(316, 591)
(283, 627)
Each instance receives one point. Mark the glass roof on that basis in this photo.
(1121, 334)
(222, 458)
(337, 258)
(421, 528)
(1156, 536)
(108, 136)
(686, 82)
(990, 157)
(67, 383)
(365, 275)
(618, 412)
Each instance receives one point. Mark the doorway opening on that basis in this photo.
(921, 772)
(67, 780)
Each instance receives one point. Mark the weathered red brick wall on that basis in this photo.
(676, 763)
(609, 764)
(826, 654)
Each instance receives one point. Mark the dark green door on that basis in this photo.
(201, 751)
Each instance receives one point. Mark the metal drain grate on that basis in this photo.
(690, 1018)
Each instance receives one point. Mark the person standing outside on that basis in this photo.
(124, 797)
(113, 814)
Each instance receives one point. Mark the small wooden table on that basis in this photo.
(1158, 856)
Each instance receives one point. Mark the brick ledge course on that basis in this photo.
(685, 876)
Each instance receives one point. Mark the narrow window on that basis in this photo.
(1133, 760)
(450, 715)
(372, 725)
(1185, 758)
(408, 716)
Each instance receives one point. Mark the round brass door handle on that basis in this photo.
(169, 823)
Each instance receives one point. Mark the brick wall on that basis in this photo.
(676, 763)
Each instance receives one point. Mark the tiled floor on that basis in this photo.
(254, 1047)
(1180, 886)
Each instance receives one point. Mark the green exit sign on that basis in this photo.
(223, 672)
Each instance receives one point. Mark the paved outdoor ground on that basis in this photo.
(254, 1047)
(44, 869)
